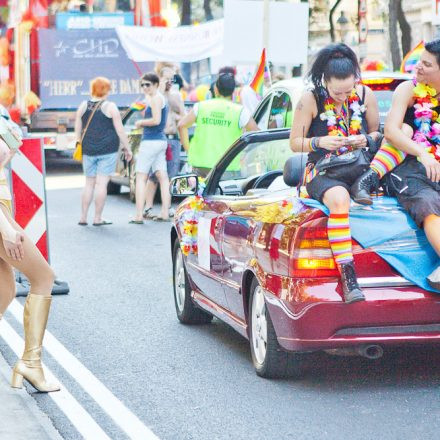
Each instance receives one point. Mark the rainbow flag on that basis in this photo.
(411, 58)
(262, 72)
(137, 106)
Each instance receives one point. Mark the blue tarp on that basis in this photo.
(391, 233)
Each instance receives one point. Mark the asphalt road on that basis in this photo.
(189, 382)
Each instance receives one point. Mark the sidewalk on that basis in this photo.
(20, 417)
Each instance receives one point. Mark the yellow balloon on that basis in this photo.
(202, 92)
(183, 94)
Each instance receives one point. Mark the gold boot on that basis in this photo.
(36, 312)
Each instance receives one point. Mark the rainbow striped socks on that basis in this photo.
(386, 159)
(339, 236)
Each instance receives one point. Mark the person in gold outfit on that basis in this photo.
(18, 251)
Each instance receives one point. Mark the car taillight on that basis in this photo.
(381, 83)
(311, 255)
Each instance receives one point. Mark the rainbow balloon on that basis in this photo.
(411, 58)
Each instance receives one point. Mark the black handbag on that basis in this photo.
(356, 157)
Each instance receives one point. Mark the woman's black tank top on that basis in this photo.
(101, 137)
(318, 127)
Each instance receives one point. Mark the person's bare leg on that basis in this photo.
(150, 191)
(141, 181)
(100, 196)
(36, 312)
(164, 182)
(431, 225)
(87, 197)
(7, 285)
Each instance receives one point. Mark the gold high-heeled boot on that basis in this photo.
(36, 312)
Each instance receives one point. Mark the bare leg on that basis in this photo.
(141, 181)
(33, 265)
(87, 196)
(7, 285)
(100, 196)
(149, 194)
(337, 200)
(164, 182)
(431, 225)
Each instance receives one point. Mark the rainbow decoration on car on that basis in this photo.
(411, 58)
(257, 82)
(190, 221)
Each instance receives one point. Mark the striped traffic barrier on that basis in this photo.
(29, 203)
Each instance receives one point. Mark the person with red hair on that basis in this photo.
(98, 124)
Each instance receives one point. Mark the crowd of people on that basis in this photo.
(337, 121)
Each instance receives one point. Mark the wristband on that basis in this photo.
(313, 146)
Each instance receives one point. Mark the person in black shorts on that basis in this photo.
(337, 117)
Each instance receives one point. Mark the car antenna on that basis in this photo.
(301, 180)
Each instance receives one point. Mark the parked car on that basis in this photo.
(275, 282)
(276, 108)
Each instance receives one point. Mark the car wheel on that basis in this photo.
(132, 181)
(269, 359)
(113, 188)
(187, 312)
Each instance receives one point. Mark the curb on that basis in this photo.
(20, 416)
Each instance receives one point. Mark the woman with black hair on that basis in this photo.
(412, 151)
(336, 118)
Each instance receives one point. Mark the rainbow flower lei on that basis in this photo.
(189, 221)
(426, 119)
(336, 122)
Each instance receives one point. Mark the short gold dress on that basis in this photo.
(5, 194)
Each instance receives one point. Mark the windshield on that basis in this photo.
(259, 158)
(384, 98)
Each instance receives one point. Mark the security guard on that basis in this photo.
(219, 123)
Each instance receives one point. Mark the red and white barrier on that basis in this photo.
(29, 193)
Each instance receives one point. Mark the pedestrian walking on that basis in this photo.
(152, 151)
(175, 113)
(98, 123)
(219, 123)
(17, 251)
(331, 122)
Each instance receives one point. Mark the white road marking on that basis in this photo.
(77, 415)
(120, 414)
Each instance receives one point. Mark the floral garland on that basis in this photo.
(426, 119)
(336, 124)
(190, 220)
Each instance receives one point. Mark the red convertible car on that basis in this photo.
(272, 277)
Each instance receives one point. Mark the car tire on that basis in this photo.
(269, 358)
(132, 181)
(113, 188)
(187, 312)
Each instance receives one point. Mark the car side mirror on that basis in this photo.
(184, 186)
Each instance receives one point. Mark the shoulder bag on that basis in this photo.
(77, 154)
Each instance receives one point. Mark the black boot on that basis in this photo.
(363, 186)
(350, 286)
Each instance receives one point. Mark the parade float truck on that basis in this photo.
(61, 63)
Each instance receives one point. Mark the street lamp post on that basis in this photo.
(342, 22)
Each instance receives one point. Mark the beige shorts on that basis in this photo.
(151, 156)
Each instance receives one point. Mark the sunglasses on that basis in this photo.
(145, 84)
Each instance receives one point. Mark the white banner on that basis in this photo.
(288, 31)
(181, 44)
